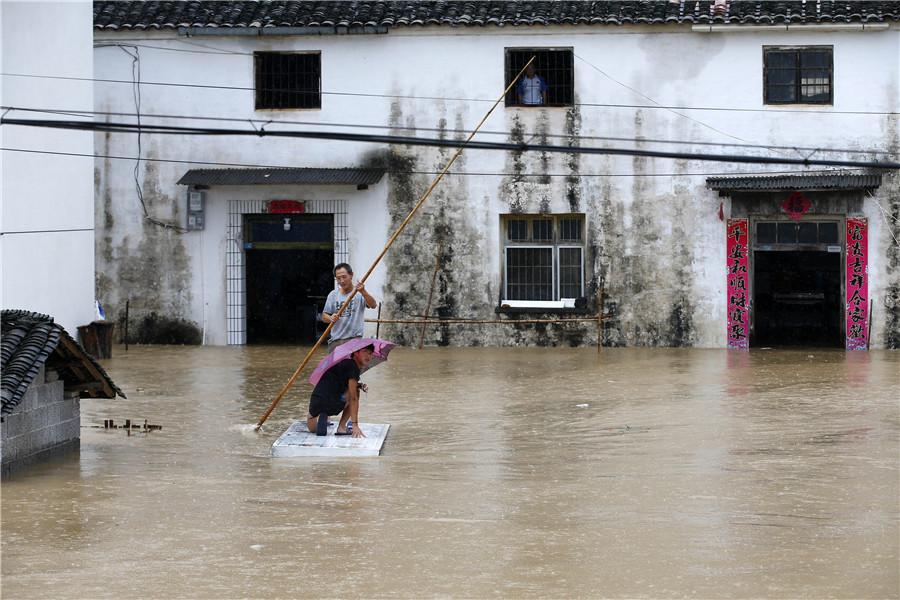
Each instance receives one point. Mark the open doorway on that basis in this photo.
(797, 299)
(288, 274)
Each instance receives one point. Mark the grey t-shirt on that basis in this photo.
(351, 323)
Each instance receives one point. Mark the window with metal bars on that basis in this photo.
(543, 257)
(551, 83)
(288, 80)
(798, 75)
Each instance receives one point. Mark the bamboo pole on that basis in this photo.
(378, 326)
(387, 246)
(599, 319)
(437, 267)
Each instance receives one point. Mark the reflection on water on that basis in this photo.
(507, 473)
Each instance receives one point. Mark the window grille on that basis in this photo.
(787, 235)
(798, 75)
(287, 80)
(555, 67)
(235, 268)
(543, 257)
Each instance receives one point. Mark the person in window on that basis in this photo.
(352, 321)
(532, 89)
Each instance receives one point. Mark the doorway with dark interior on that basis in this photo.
(289, 259)
(797, 292)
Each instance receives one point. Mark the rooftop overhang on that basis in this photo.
(789, 183)
(361, 178)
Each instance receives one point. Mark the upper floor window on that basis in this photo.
(288, 80)
(543, 257)
(799, 75)
(549, 81)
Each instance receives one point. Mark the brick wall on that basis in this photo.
(46, 422)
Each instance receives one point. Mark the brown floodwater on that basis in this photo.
(508, 473)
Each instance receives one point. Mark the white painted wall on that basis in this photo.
(47, 215)
(622, 66)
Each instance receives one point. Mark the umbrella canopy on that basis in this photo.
(343, 352)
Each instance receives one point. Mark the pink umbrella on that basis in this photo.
(343, 352)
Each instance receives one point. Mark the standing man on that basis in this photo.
(352, 321)
(532, 88)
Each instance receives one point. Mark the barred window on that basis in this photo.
(798, 75)
(543, 257)
(552, 82)
(288, 80)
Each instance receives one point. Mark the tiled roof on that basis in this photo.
(296, 176)
(831, 181)
(29, 340)
(116, 16)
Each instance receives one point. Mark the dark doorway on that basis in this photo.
(797, 299)
(288, 276)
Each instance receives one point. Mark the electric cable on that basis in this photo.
(803, 111)
(443, 143)
(81, 113)
(423, 172)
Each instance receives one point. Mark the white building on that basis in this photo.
(512, 232)
(47, 204)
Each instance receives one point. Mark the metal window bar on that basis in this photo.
(529, 272)
(571, 271)
(235, 267)
(795, 76)
(288, 81)
(570, 229)
(556, 68)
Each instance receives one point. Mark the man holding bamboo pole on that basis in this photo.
(350, 325)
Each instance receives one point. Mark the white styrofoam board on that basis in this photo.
(298, 441)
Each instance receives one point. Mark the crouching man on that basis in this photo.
(338, 393)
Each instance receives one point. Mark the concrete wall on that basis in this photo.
(655, 242)
(46, 422)
(47, 208)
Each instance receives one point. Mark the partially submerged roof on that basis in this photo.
(805, 182)
(282, 176)
(380, 16)
(31, 340)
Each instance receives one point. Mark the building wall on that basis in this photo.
(47, 209)
(655, 242)
(46, 422)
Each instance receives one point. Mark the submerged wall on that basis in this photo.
(655, 238)
(46, 422)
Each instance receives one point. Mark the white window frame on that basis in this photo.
(554, 245)
(558, 293)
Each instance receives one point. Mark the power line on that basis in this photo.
(443, 143)
(458, 99)
(415, 172)
(265, 122)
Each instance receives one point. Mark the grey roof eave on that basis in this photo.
(282, 176)
(805, 182)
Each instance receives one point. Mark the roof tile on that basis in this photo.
(136, 15)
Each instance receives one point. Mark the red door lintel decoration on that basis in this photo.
(857, 310)
(738, 288)
(796, 205)
(286, 207)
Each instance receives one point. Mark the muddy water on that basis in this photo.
(507, 473)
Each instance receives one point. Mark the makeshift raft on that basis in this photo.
(298, 441)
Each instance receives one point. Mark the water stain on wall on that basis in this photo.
(152, 272)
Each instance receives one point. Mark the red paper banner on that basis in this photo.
(857, 284)
(738, 284)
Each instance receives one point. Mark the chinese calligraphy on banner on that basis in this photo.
(857, 284)
(738, 284)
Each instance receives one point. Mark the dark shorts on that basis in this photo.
(332, 406)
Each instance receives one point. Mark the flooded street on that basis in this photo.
(507, 472)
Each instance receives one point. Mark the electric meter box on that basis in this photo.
(196, 202)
